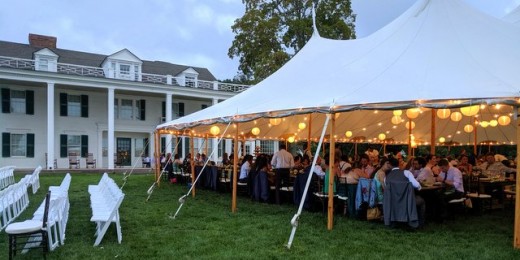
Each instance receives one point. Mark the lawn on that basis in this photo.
(205, 228)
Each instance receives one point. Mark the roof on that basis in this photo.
(439, 53)
(25, 51)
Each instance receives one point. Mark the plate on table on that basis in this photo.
(485, 179)
(437, 183)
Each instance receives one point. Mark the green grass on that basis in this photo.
(206, 229)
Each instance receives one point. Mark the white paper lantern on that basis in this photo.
(412, 113)
(381, 136)
(468, 128)
(442, 139)
(443, 113)
(456, 116)
(493, 123)
(484, 124)
(396, 120)
(398, 112)
(504, 120)
(408, 125)
(470, 111)
(275, 121)
(302, 126)
(348, 134)
(255, 131)
(214, 130)
(290, 139)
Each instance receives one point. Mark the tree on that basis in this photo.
(272, 31)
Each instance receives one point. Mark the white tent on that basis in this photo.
(513, 17)
(439, 53)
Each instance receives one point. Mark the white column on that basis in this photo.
(168, 119)
(111, 141)
(99, 152)
(50, 125)
(214, 141)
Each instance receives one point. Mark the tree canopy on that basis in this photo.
(272, 31)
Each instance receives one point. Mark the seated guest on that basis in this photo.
(416, 167)
(327, 175)
(301, 181)
(404, 212)
(464, 166)
(379, 179)
(426, 174)
(352, 183)
(225, 160)
(260, 182)
(344, 165)
(244, 169)
(491, 167)
(452, 178)
(366, 168)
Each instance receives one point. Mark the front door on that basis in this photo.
(124, 151)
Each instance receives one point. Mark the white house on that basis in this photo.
(57, 101)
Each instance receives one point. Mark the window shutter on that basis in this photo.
(163, 107)
(146, 145)
(143, 109)
(6, 100)
(84, 145)
(181, 109)
(63, 106)
(6, 144)
(29, 102)
(84, 106)
(30, 146)
(63, 146)
(163, 145)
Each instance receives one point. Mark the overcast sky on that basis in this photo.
(191, 32)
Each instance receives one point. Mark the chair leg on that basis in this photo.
(12, 244)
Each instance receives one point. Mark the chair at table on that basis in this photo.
(400, 204)
(74, 160)
(90, 160)
(33, 229)
(481, 199)
(55, 162)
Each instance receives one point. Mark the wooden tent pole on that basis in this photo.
(206, 145)
(175, 150)
(157, 156)
(192, 163)
(516, 241)
(235, 173)
(409, 137)
(332, 154)
(309, 135)
(432, 133)
(475, 137)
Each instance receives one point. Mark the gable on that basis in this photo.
(124, 55)
(46, 52)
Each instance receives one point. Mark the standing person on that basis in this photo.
(282, 161)
(366, 168)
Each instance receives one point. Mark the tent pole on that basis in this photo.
(516, 242)
(157, 156)
(309, 135)
(296, 217)
(235, 173)
(192, 162)
(409, 137)
(206, 145)
(332, 154)
(175, 149)
(475, 137)
(432, 133)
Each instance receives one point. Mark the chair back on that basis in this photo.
(90, 157)
(46, 209)
(73, 157)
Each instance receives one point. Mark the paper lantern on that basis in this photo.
(456, 116)
(275, 121)
(381, 136)
(443, 113)
(348, 134)
(413, 144)
(398, 112)
(470, 111)
(290, 139)
(396, 120)
(255, 131)
(408, 125)
(214, 130)
(412, 113)
(493, 123)
(302, 126)
(484, 124)
(504, 120)
(442, 139)
(468, 128)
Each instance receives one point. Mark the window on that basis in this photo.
(140, 109)
(139, 146)
(190, 81)
(73, 144)
(116, 108)
(43, 64)
(136, 72)
(17, 101)
(126, 109)
(17, 145)
(73, 105)
(267, 147)
(124, 71)
(178, 109)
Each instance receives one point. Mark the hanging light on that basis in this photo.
(396, 120)
(381, 136)
(214, 130)
(348, 134)
(412, 113)
(504, 120)
(493, 123)
(275, 121)
(290, 139)
(484, 124)
(468, 128)
(443, 113)
(442, 139)
(398, 112)
(470, 111)
(456, 116)
(302, 126)
(408, 125)
(255, 131)
(413, 144)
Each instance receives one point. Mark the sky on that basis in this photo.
(189, 32)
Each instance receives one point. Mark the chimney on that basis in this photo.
(42, 41)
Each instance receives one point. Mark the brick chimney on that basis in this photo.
(42, 41)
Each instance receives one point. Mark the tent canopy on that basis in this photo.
(513, 17)
(438, 54)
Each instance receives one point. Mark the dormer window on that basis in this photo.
(190, 80)
(46, 60)
(124, 71)
(43, 64)
(123, 65)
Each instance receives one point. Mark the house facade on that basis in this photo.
(56, 102)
